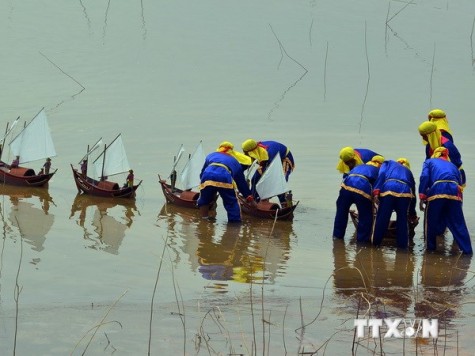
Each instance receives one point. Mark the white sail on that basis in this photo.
(272, 182)
(190, 175)
(34, 142)
(113, 160)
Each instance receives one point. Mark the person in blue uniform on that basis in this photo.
(351, 157)
(221, 173)
(438, 117)
(357, 188)
(440, 195)
(394, 190)
(264, 152)
(432, 139)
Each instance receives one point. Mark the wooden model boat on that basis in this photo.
(189, 178)
(265, 209)
(111, 161)
(391, 232)
(33, 143)
(184, 198)
(268, 210)
(105, 188)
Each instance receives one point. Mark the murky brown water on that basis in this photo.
(313, 74)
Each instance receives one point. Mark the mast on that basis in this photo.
(7, 132)
(103, 162)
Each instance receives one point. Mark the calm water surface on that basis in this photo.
(103, 277)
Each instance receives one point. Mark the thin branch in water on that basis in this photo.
(386, 35)
(105, 22)
(283, 329)
(432, 75)
(471, 41)
(282, 97)
(325, 75)
(68, 75)
(310, 33)
(367, 82)
(144, 28)
(85, 14)
(62, 71)
(397, 13)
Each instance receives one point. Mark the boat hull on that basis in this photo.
(23, 177)
(391, 231)
(265, 210)
(107, 189)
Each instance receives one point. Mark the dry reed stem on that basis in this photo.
(17, 290)
(153, 294)
(181, 308)
(96, 327)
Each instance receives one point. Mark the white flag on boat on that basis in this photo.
(272, 182)
(190, 175)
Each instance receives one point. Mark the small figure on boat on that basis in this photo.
(432, 139)
(46, 166)
(129, 182)
(15, 162)
(357, 188)
(264, 152)
(438, 117)
(441, 196)
(394, 190)
(351, 157)
(84, 167)
(221, 172)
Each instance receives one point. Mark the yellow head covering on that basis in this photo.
(255, 150)
(441, 152)
(228, 147)
(430, 130)
(404, 162)
(347, 154)
(438, 117)
(376, 161)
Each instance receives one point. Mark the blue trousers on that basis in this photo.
(387, 205)
(230, 201)
(442, 213)
(365, 215)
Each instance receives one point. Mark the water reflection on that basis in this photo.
(381, 277)
(108, 231)
(29, 213)
(244, 253)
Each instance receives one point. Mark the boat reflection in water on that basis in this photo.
(29, 213)
(245, 253)
(96, 216)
